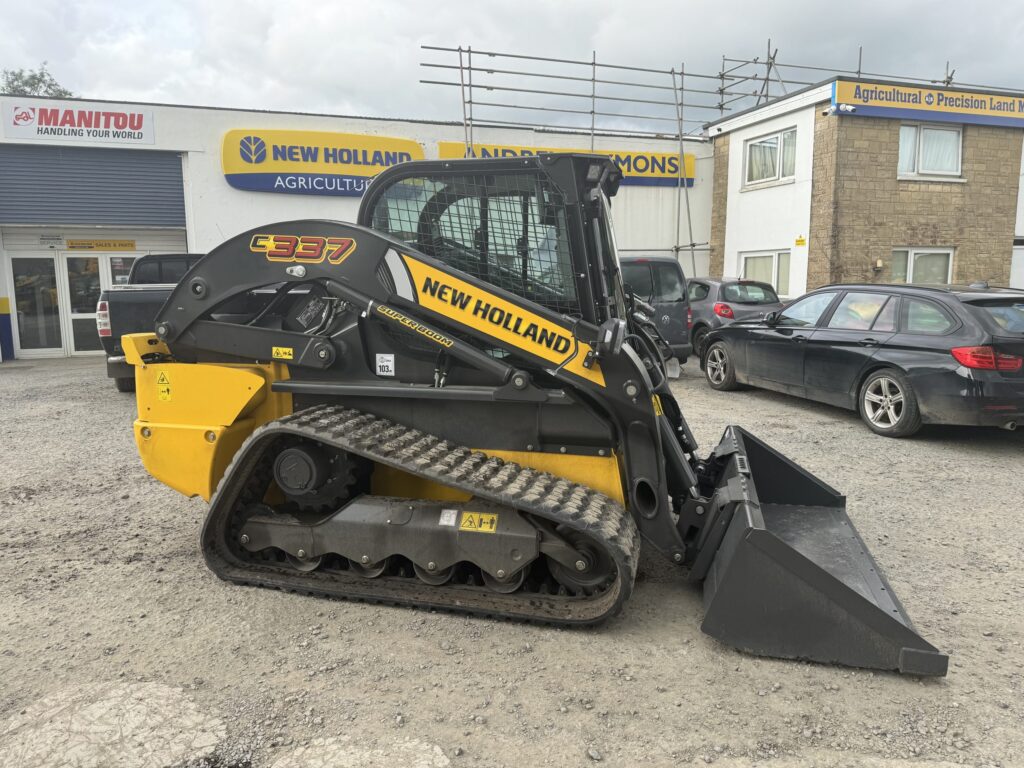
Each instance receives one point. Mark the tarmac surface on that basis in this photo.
(119, 648)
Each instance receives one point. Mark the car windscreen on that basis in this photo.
(749, 293)
(1006, 314)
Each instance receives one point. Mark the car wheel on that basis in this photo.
(125, 384)
(718, 368)
(700, 337)
(888, 404)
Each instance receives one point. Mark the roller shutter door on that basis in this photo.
(85, 185)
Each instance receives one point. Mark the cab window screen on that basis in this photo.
(509, 231)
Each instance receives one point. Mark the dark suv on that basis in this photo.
(901, 355)
(715, 303)
(659, 281)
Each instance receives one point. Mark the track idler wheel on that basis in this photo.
(369, 570)
(504, 584)
(593, 566)
(433, 577)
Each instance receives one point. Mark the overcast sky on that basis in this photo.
(362, 58)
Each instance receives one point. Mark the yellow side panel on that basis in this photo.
(388, 481)
(193, 417)
(598, 472)
(136, 345)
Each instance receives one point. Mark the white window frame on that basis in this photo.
(917, 173)
(912, 252)
(778, 165)
(775, 266)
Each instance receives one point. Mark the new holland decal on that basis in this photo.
(501, 319)
(304, 249)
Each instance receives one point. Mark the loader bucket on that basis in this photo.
(791, 577)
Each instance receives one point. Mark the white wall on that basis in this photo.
(1018, 230)
(1017, 268)
(772, 217)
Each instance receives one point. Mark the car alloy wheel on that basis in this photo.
(883, 402)
(717, 365)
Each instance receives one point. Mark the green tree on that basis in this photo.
(32, 82)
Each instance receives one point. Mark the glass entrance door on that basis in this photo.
(84, 284)
(37, 306)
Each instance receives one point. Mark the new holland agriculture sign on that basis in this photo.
(652, 169)
(310, 162)
(933, 104)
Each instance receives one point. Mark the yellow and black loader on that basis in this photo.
(456, 404)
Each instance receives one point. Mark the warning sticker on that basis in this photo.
(283, 353)
(448, 517)
(385, 365)
(163, 386)
(481, 522)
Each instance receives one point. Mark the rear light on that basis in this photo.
(986, 359)
(689, 318)
(724, 310)
(103, 318)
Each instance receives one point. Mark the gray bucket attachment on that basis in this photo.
(786, 574)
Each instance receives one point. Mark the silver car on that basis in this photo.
(716, 302)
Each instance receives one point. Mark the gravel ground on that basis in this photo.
(118, 647)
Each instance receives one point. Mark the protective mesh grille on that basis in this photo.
(508, 230)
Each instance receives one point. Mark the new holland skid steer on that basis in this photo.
(455, 404)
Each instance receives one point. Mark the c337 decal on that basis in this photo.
(305, 249)
(481, 310)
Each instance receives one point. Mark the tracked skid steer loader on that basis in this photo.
(456, 405)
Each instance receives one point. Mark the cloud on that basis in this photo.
(363, 57)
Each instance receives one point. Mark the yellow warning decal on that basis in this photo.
(656, 402)
(481, 522)
(163, 386)
(283, 353)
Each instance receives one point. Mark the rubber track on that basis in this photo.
(419, 453)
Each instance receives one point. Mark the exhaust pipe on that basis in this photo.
(1010, 425)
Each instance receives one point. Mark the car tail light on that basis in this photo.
(724, 310)
(986, 359)
(103, 318)
(689, 318)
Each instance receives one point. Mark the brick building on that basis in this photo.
(854, 180)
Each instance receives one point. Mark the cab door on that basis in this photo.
(837, 352)
(775, 352)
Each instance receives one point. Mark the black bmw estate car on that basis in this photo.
(901, 355)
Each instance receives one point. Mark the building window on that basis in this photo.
(770, 267)
(925, 266)
(929, 150)
(772, 158)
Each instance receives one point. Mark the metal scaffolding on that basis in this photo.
(596, 98)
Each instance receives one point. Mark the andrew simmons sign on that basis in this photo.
(640, 167)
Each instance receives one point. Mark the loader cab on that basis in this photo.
(538, 226)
